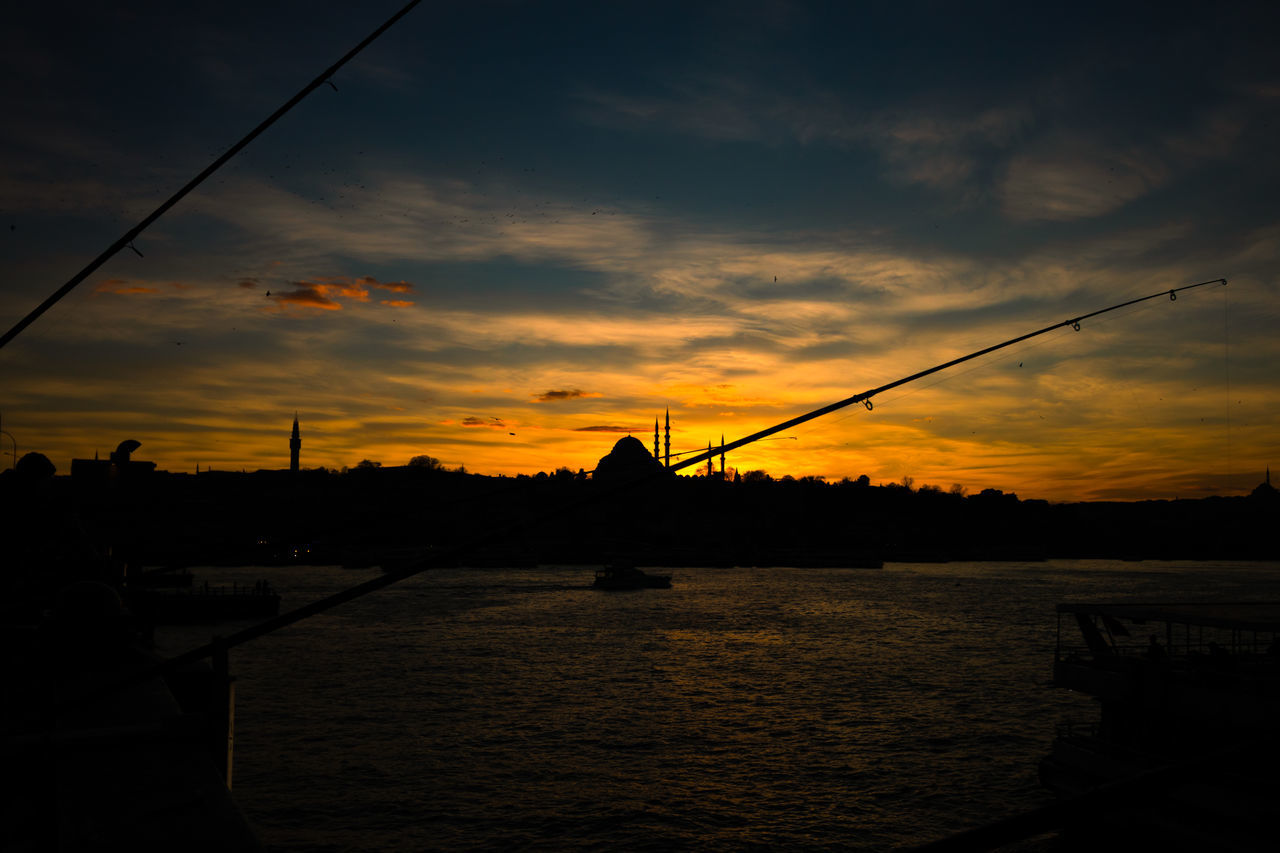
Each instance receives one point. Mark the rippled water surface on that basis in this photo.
(798, 709)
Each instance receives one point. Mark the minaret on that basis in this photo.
(668, 438)
(710, 457)
(655, 439)
(295, 445)
(721, 456)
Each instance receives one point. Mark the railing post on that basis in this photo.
(223, 708)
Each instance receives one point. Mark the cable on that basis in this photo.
(127, 240)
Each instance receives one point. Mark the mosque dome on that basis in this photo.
(629, 458)
(1266, 491)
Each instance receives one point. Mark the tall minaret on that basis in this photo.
(668, 438)
(295, 445)
(655, 439)
(721, 456)
(709, 458)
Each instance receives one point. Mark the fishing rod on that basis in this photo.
(865, 396)
(445, 556)
(716, 449)
(132, 233)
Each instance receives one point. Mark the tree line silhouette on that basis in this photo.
(371, 514)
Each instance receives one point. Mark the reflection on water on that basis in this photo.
(797, 708)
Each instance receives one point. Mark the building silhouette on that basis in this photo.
(295, 445)
(119, 467)
(1264, 490)
(667, 463)
(628, 460)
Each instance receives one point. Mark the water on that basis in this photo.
(797, 709)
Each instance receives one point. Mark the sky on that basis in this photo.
(510, 233)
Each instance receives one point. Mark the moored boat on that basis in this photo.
(628, 577)
(1188, 694)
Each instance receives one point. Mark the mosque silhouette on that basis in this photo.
(630, 460)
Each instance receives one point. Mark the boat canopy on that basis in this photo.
(1237, 616)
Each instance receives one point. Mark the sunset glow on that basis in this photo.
(488, 248)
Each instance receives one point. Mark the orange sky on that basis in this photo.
(508, 271)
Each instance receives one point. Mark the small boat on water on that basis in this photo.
(1183, 747)
(629, 577)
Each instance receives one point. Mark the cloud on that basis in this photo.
(393, 286)
(937, 150)
(247, 283)
(1080, 182)
(609, 428)
(940, 148)
(325, 293)
(569, 394)
(306, 296)
(491, 422)
(122, 287)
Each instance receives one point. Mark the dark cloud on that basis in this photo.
(608, 428)
(565, 394)
(247, 283)
(494, 423)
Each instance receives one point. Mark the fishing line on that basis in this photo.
(126, 241)
(951, 377)
(1074, 324)
(1102, 322)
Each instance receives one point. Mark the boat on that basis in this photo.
(1183, 747)
(624, 576)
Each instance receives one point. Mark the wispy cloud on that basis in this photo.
(123, 287)
(1076, 181)
(607, 428)
(566, 394)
